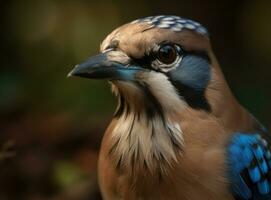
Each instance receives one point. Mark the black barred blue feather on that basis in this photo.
(249, 161)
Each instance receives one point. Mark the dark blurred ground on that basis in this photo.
(51, 127)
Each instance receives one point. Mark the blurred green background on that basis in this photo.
(51, 127)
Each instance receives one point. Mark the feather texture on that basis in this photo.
(249, 162)
(174, 134)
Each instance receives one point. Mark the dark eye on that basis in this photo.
(167, 54)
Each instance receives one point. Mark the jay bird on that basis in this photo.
(178, 132)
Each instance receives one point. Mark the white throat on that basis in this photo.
(142, 139)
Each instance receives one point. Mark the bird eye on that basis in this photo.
(167, 54)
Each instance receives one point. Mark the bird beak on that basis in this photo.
(101, 67)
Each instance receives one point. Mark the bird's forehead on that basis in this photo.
(137, 37)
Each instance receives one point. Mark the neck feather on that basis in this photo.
(146, 134)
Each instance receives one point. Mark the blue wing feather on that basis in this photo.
(249, 161)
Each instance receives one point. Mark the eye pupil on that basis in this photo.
(167, 54)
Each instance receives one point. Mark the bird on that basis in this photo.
(178, 131)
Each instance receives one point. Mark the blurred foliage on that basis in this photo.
(57, 123)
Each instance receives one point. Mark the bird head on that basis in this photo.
(165, 60)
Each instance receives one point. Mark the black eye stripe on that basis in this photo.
(148, 58)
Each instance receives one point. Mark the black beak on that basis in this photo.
(100, 67)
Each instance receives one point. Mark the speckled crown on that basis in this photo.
(173, 23)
